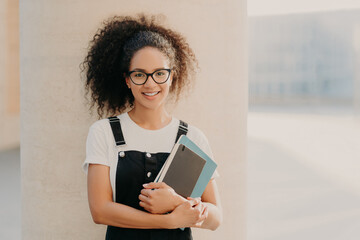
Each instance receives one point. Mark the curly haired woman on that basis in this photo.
(133, 67)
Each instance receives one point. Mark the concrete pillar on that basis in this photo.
(9, 75)
(55, 121)
(356, 65)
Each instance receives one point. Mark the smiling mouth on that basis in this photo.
(150, 94)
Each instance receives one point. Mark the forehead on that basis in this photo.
(149, 59)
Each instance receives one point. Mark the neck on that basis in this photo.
(151, 119)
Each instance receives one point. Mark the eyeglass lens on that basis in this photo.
(160, 76)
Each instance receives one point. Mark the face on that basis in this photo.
(150, 95)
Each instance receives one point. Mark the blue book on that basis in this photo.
(188, 169)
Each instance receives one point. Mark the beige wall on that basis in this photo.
(13, 73)
(9, 75)
(3, 42)
(54, 37)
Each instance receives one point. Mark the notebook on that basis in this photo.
(188, 169)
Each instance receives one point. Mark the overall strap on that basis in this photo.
(116, 129)
(183, 129)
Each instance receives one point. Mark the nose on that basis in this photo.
(150, 82)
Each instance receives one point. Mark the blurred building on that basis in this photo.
(303, 57)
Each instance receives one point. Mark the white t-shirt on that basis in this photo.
(101, 147)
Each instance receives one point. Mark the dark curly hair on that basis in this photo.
(111, 51)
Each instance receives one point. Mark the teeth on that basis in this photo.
(151, 94)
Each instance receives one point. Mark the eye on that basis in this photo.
(138, 74)
(160, 73)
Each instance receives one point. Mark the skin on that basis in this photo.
(164, 199)
(149, 113)
(105, 211)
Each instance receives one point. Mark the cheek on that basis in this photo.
(169, 83)
(135, 90)
(167, 87)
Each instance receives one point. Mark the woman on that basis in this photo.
(132, 68)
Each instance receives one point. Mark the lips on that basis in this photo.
(150, 94)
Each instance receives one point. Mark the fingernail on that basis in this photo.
(145, 185)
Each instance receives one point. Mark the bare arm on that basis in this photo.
(211, 199)
(164, 199)
(105, 211)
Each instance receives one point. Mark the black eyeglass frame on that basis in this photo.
(150, 74)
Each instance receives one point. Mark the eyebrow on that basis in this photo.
(143, 70)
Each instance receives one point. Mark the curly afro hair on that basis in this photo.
(110, 52)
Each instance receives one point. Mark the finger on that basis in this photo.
(194, 201)
(189, 198)
(205, 212)
(203, 216)
(201, 209)
(188, 204)
(144, 205)
(153, 185)
(150, 185)
(198, 224)
(146, 192)
(144, 198)
(199, 206)
(164, 185)
(198, 209)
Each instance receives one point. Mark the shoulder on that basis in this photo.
(99, 127)
(199, 138)
(104, 124)
(196, 133)
(99, 124)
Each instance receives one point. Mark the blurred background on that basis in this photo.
(304, 121)
(10, 201)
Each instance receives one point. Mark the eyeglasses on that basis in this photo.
(159, 76)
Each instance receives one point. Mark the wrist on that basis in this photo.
(178, 200)
(169, 221)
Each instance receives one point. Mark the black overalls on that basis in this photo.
(135, 168)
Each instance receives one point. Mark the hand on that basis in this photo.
(191, 213)
(159, 198)
(203, 211)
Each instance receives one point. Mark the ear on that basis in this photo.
(127, 80)
(171, 78)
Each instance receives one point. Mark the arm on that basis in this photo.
(164, 199)
(105, 211)
(158, 197)
(211, 199)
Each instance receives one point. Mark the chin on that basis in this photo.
(148, 105)
(151, 105)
